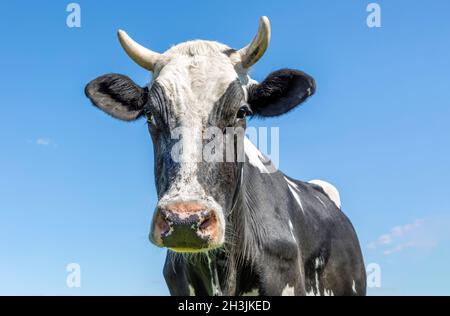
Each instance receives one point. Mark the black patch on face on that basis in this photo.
(159, 106)
(219, 179)
(224, 111)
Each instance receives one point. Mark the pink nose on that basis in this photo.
(185, 226)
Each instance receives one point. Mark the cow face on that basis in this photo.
(196, 107)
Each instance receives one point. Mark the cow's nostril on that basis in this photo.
(163, 223)
(164, 228)
(207, 221)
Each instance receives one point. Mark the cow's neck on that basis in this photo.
(223, 268)
(230, 269)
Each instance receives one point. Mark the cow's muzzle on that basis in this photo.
(186, 227)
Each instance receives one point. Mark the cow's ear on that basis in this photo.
(118, 96)
(280, 92)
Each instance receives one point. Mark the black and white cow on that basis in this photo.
(233, 227)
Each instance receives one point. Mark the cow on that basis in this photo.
(238, 227)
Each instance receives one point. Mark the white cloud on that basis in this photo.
(423, 235)
(43, 141)
(399, 248)
(397, 235)
(410, 244)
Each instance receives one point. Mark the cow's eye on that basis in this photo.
(151, 119)
(243, 112)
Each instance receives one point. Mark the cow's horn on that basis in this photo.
(251, 53)
(144, 57)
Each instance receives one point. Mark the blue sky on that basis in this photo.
(77, 185)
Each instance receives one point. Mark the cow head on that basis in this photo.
(200, 89)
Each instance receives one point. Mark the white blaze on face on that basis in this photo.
(194, 76)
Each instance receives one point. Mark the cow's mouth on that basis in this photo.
(187, 227)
